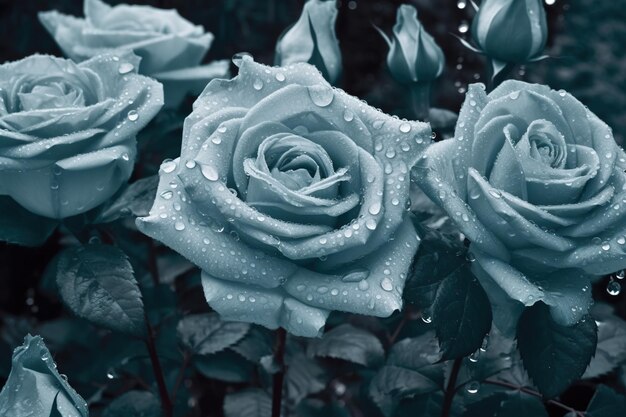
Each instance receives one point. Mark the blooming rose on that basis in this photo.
(292, 197)
(67, 131)
(536, 183)
(171, 47)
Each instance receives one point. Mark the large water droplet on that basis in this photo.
(374, 209)
(179, 226)
(620, 274)
(125, 68)
(363, 285)
(209, 172)
(348, 116)
(168, 166)
(258, 84)
(321, 95)
(166, 195)
(280, 76)
(356, 275)
(190, 164)
(371, 224)
(613, 288)
(472, 387)
(133, 115)
(405, 127)
(386, 284)
(238, 58)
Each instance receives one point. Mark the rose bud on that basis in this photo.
(510, 31)
(312, 40)
(413, 56)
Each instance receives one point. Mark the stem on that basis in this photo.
(166, 403)
(279, 355)
(420, 100)
(398, 330)
(451, 388)
(152, 263)
(181, 375)
(535, 394)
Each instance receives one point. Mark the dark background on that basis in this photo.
(586, 42)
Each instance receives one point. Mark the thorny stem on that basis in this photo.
(279, 355)
(166, 403)
(535, 394)
(451, 388)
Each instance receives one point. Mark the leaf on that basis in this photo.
(255, 345)
(206, 334)
(313, 407)
(34, 380)
(303, 377)
(611, 349)
(426, 405)
(521, 405)
(461, 314)
(97, 283)
(224, 366)
(134, 404)
(252, 402)
(554, 355)
(136, 199)
(350, 344)
(606, 403)
(21, 227)
(412, 368)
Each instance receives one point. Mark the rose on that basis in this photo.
(312, 39)
(67, 131)
(171, 47)
(413, 55)
(536, 183)
(291, 197)
(511, 31)
(35, 386)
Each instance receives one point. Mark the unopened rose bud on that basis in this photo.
(510, 31)
(413, 56)
(312, 39)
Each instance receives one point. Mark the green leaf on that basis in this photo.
(21, 227)
(255, 345)
(206, 334)
(426, 405)
(521, 405)
(313, 407)
(303, 377)
(134, 404)
(606, 403)
(461, 314)
(97, 283)
(136, 199)
(248, 403)
(350, 344)
(35, 383)
(224, 366)
(611, 349)
(554, 355)
(412, 368)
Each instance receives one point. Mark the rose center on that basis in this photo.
(547, 144)
(50, 96)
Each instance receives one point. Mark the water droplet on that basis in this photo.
(125, 68)
(216, 140)
(209, 172)
(168, 166)
(472, 387)
(374, 209)
(179, 226)
(386, 284)
(371, 224)
(474, 356)
(426, 318)
(321, 95)
(348, 116)
(356, 275)
(238, 58)
(258, 84)
(461, 4)
(133, 115)
(613, 288)
(280, 76)
(495, 193)
(405, 127)
(463, 27)
(378, 124)
(620, 274)
(166, 195)
(54, 186)
(363, 285)
(191, 164)
(605, 246)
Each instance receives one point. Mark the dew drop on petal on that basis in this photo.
(405, 127)
(168, 166)
(371, 224)
(179, 226)
(280, 76)
(386, 284)
(209, 172)
(125, 68)
(495, 193)
(620, 274)
(133, 115)
(167, 194)
(356, 275)
(321, 95)
(239, 57)
(190, 164)
(374, 209)
(258, 84)
(613, 288)
(348, 116)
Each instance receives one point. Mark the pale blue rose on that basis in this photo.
(536, 182)
(36, 388)
(292, 198)
(67, 131)
(171, 47)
